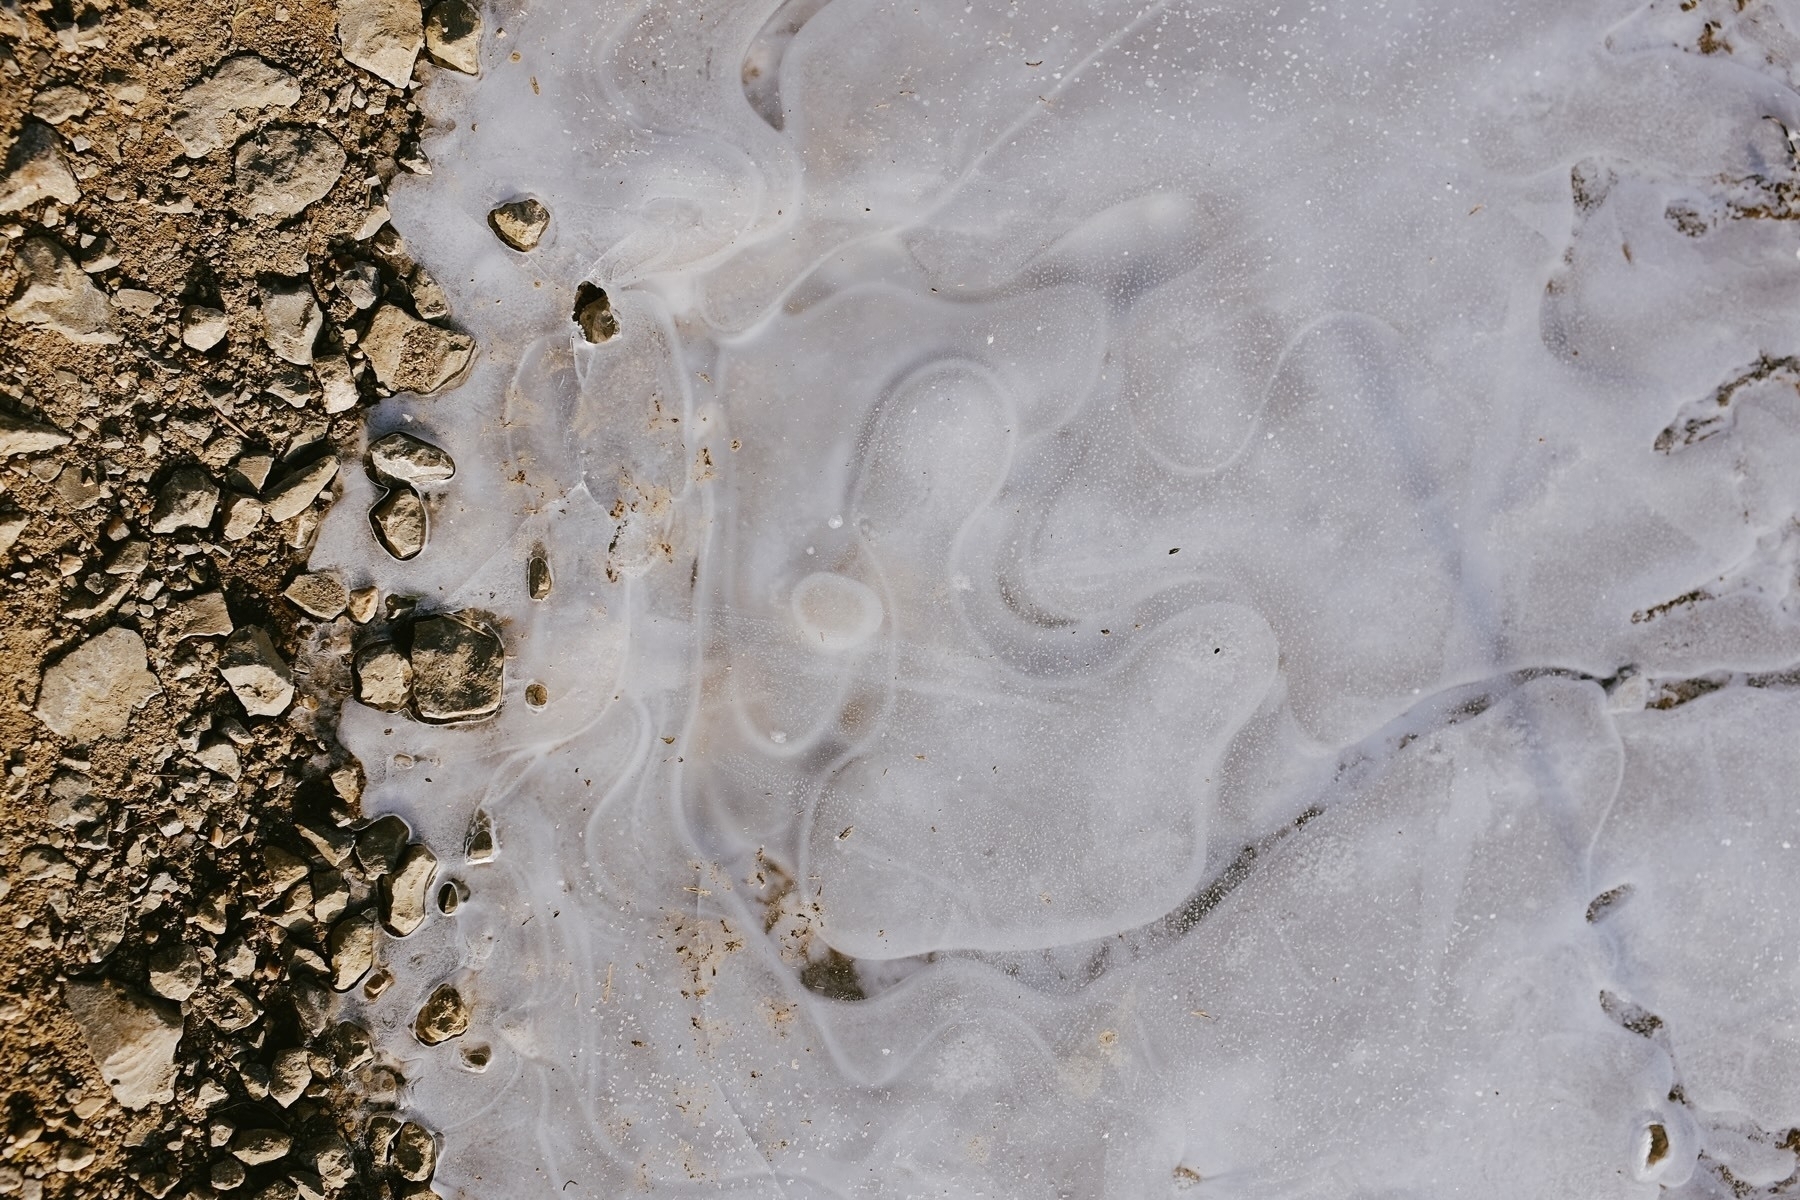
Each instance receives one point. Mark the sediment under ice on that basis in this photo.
(1148, 599)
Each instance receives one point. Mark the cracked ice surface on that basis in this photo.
(1149, 599)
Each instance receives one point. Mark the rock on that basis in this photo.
(360, 284)
(478, 845)
(38, 863)
(137, 301)
(399, 520)
(593, 312)
(201, 615)
(175, 972)
(402, 458)
(208, 109)
(383, 37)
(453, 35)
(458, 669)
(284, 168)
(291, 319)
(227, 1175)
(72, 806)
(253, 1147)
(414, 1153)
(352, 946)
(538, 580)
(320, 595)
(12, 525)
(331, 896)
(383, 677)
(283, 868)
(220, 757)
(132, 1039)
(331, 843)
(296, 491)
(380, 843)
(230, 1008)
(35, 171)
(257, 675)
(186, 500)
(403, 892)
(445, 1015)
(409, 355)
(251, 471)
(242, 515)
(362, 603)
(55, 294)
(430, 300)
(330, 1156)
(92, 691)
(292, 387)
(202, 328)
(289, 1074)
(74, 1156)
(19, 435)
(520, 224)
(59, 104)
(337, 381)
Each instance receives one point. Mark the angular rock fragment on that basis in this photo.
(253, 1147)
(352, 946)
(403, 458)
(12, 525)
(92, 691)
(202, 327)
(207, 111)
(186, 500)
(292, 387)
(291, 319)
(403, 891)
(380, 844)
(257, 675)
(360, 284)
(400, 523)
(242, 515)
(132, 1039)
(414, 1153)
(55, 294)
(444, 1015)
(175, 972)
(62, 103)
(383, 677)
(35, 171)
(289, 1074)
(337, 381)
(46, 862)
(362, 604)
(383, 37)
(285, 168)
(410, 355)
(20, 435)
(453, 35)
(594, 314)
(220, 757)
(200, 615)
(319, 594)
(458, 669)
(294, 493)
(520, 224)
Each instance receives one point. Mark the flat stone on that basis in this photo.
(410, 355)
(383, 677)
(175, 972)
(285, 168)
(203, 614)
(352, 947)
(242, 515)
(12, 525)
(20, 435)
(92, 691)
(253, 1147)
(443, 1016)
(337, 382)
(453, 35)
(291, 319)
(403, 458)
(294, 493)
(403, 892)
(362, 603)
(383, 37)
(251, 471)
(202, 328)
(221, 758)
(458, 669)
(186, 500)
(56, 294)
(520, 224)
(414, 1153)
(256, 672)
(132, 1039)
(293, 387)
(230, 1008)
(137, 301)
(380, 843)
(400, 523)
(289, 1074)
(38, 863)
(319, 594)
(58, 104)
(208, 110)
(36, 170)
(360, 284)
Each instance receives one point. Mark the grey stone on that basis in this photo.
(403, 892)
(319, 594)
(256, 672)
(383, 37)
(220, 757)
(207, 113)
(453, 35)
(55, 294)
(403, 458)
(36, 170)
(175, 972)
(285, 168)
(201, 615)
(92, 691)
(458, 669)
(12, 525)
(360, 284)
(383, 677)
(410, 355)
(331, 843)
(251, 471)
(520, 224)
(400, 523)
(443, 1016)
(202, 327)
(132, 1039)
(294, 493)
(352, 946)
(337, 382)
(137, 301)
(21, 435)
(291, 319)
(58, 104)
(186, 500)
(242, 515)
(38, 863)
(293, 387)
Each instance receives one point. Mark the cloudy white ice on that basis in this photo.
(1151, 599)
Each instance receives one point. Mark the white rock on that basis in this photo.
(383, 677)
(337, 381)
(56, 294)
(453, 35)
(257, 675)
(220, 757)
(285, 168)
(400, 523)
(383, 37)
(132, 1039)
(295, 492)
(291, 319)
(403, 458)
(207, 115)
(93, 690)
(186, 500)
(36, 170)
(403, 891)
(21, 436)
(410, 355)
(242, 515)
(202, 328)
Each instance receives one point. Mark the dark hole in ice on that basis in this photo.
(593, 312)
(833, 977)
(1659, 1146)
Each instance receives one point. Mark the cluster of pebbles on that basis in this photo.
(201, 292)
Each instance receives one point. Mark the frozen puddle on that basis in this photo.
(1145, 599)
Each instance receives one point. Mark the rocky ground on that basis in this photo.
(201, 292)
